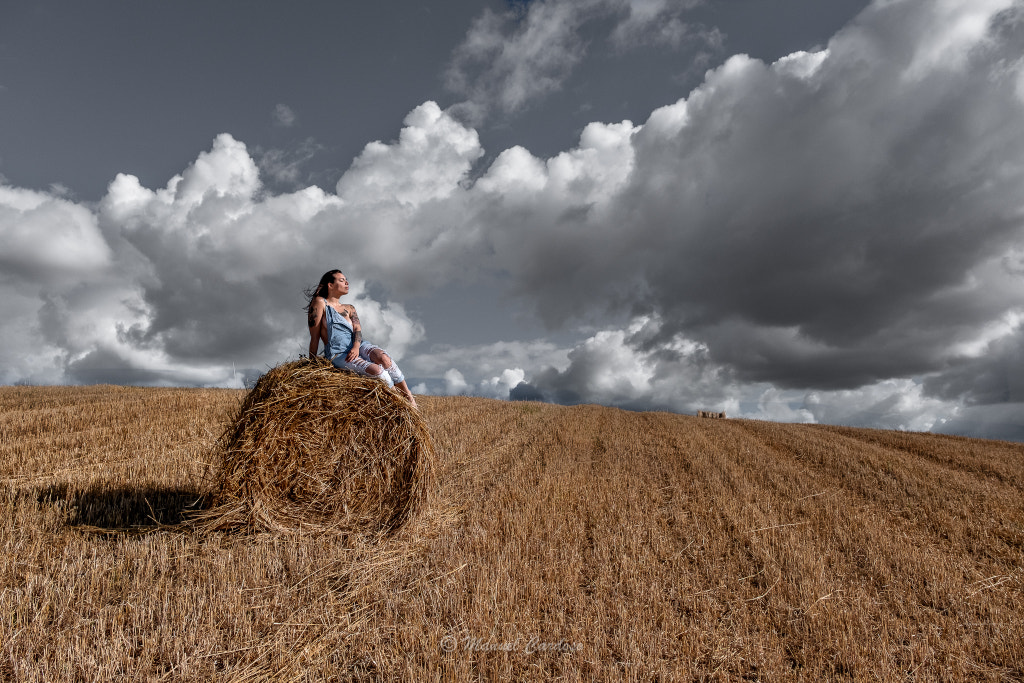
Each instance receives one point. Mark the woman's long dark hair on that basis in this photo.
(320, 290)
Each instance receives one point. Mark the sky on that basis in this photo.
(784, 209)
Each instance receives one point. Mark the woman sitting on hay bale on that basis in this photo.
(338, 326)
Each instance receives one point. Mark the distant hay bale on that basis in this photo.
(320, 449)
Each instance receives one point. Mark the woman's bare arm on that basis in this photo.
(315, 322)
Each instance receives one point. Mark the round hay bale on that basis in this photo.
(316, 448)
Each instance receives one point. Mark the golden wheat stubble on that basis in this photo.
(667, 547)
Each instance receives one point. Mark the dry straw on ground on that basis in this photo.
(316, 448)
(558, 543)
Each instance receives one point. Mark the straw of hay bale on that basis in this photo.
(316, 448)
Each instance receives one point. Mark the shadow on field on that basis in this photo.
(124, 507)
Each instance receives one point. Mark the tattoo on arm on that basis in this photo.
(357, 328)
(316, 310)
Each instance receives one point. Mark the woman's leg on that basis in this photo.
(378, 356)
(361, 366)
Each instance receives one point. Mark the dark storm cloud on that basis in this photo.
(995, 376)
(1001, 421)
(105, 366)
(826, 221)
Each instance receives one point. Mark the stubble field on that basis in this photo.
(559, 543)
